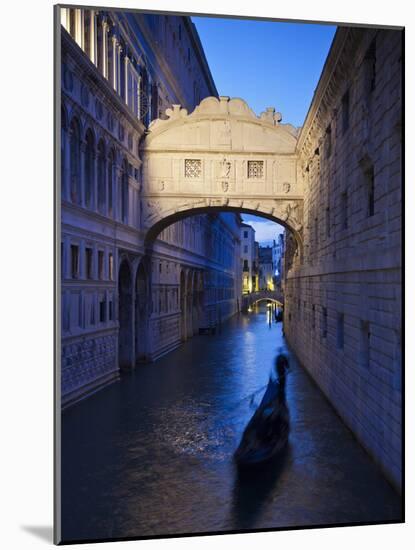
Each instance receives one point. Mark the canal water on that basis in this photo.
(152, 454)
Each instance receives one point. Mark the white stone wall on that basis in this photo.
(343, 304)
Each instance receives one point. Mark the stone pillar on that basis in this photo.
(119, 50)
(110, 184)
(79, 27)
(105, 48)
(115, 61)
(126, 71)
(94, 191)
(93, 37)
(81, 185)
(65, 18)
(116, 198)
(105, 186)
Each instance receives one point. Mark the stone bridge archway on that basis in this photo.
(221, 157)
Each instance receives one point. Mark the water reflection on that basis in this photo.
(254, 488)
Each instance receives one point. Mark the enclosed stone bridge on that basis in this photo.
(221, 157)
(249, 300)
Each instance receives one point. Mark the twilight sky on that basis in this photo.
(268, 64)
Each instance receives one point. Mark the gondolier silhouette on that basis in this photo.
(267, 432)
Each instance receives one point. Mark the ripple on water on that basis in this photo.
(192, 428)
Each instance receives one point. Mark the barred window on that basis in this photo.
(192, 168)
(255, 169)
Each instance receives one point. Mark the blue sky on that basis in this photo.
(268, 64)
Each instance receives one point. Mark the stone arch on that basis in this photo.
(125, 315)
(268, 300)
(164, 219)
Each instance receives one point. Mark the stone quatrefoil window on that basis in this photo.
(192, 168)
(255, 169)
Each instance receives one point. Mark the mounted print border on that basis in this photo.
(210, 379)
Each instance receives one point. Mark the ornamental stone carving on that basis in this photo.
(225, 168)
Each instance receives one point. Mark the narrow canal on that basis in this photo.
(152, 454)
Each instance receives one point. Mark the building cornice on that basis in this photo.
(326, 74)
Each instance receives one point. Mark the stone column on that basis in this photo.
(116, 197)
(126, 71)
(94, 191)
(81, 185)
(65, 18)
(104, 46)
(114, 76)
(119, 50)
(105, 186)
(79, 27)
(93, 37)
(111, 185)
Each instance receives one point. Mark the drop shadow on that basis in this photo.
(43, 532)
(253, 487)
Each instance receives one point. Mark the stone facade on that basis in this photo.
(266, 268)
(343, 303)
(124, 301)
(249, 258)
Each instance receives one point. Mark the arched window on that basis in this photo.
(102, 188)
(124, 192)
(110, 176)
(89, 169)
(75, 162)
